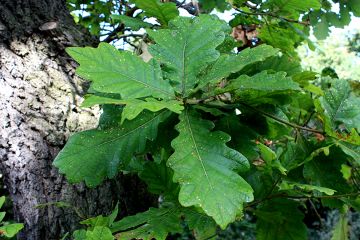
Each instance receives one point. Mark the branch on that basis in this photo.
(113, 35)
(283, 195)
(283, 121)
(130, 43)
(326, 196)
(189, 7)
(131, 35)
(307, 23)
(249, 5)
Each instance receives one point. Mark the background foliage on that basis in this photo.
(257, 139)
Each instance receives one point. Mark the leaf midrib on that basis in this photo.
(196, 148)
(116, 138)
(134, 79)
(106, 70)
(183, 73)
(343, 99)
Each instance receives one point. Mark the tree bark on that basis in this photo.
(39, 95)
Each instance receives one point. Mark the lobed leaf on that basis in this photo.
(99, 233)
(292, 8)
(164, 12)
(131, 22)
(102, 221)
(158, 177)
(227, 64)
(206, 170)
(351, 150)
(261, 87)
(202, 226)
(280, 219)
(156, 223)
(95, 154)
(340, 106)
(133, 107)
(285, 185)
(324, 171)
(190, 48)
(11, 230)
(114, 71)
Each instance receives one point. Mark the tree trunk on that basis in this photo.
(39, 110)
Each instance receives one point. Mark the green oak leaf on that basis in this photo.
(349, 144)
(164, 12)
(213, 111)
(286, 185)
(341, 229)
(133, 107)
(187, 47)
(325, 171)
(110, 117)
(158, 177)
(292, 8)
(280, 219)
(99, 233)
(202, 226)
(114, 71)
(79, 234)
(340, 106)
(95, 154)
(156, 223)
(278, 63)
(321, 29)
(227, 64)
(355, 7)
(11, 230)
(351, 150)
(209, 5)
(264, 82)
(131, 22)
(280, 37)
(270, 159)
(2, 201)
(2, 215)
(206, 170)
(295, 154)
(261, 87)
(102, 221)
(246, 144)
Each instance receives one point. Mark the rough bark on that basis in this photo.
(39, 110)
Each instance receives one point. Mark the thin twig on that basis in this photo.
(113, 35)
(309, 118)
(130, 43)
(283, 121)
(325, 196)
(130, 35)
(189, 7)
(274, 185)
(283, 195)
(316, 212)
(274, 16)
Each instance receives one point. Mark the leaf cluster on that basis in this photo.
(213, 132)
